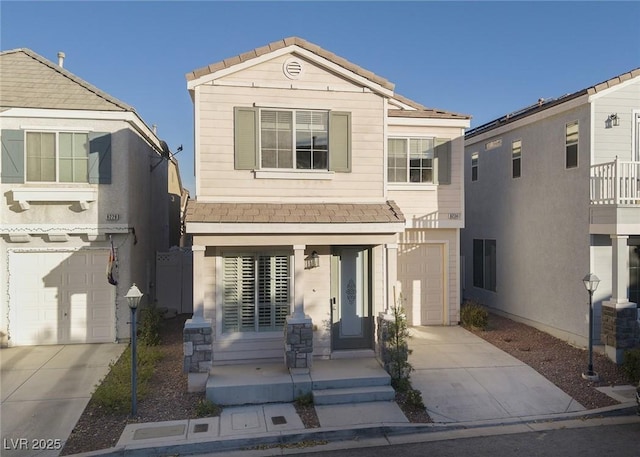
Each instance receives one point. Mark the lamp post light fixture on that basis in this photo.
(591, 282)
(133, 299)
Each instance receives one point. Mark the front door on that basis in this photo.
(352, 322)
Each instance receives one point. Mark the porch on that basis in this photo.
(332, 381)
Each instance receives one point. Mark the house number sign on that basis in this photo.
(113, 217)
(454, 216)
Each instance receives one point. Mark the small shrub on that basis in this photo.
(305, 400)
(206, 408)
(397, 346)
(114, 393)
(150, 325)
(474, 316)
(631, 364)
(414, 399)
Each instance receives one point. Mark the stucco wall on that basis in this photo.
(540, 222)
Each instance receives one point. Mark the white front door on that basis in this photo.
(60, 298)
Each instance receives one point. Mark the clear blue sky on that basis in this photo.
(480, 58)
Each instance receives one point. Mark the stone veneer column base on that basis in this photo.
(198, 353)
(298, 343)
(619, 330)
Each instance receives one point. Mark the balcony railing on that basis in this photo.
(615, 183)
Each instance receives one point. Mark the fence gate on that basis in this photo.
(174, 280)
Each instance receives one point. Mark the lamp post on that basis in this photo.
(591, 282)
(133, 298)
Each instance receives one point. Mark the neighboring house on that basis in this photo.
(323, 198)
(553, 193)
(80, 172)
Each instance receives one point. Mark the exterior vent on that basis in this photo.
(293, 68)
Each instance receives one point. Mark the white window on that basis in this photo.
(571, 145)
(57, 157)
(516, 158)
(410, 160)
(256, 292)
(294, 139)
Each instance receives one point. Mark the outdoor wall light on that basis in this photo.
(590, 282)
(133, 298)
(312, 261)
(612, 121)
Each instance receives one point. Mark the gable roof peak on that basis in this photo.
(283, 43)
(16, 93)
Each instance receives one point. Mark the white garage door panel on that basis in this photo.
(60, 298)
(422, 280)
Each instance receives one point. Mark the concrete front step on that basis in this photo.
(353, 395)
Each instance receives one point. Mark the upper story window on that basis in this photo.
(301, 140)
(516, 158)
(57, 157)
(419, 160)
(571, 145)
(308, 131)
(474, 166)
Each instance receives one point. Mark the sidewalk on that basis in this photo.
(469, 387)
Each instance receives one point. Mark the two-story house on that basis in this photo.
(323, 199)
(552, 194)
(82, 178)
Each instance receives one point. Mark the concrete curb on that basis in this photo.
(359, 434)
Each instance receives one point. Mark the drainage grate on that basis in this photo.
(278, 420)
(201, 428)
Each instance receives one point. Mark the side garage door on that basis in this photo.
(60, 298)
(421, 275)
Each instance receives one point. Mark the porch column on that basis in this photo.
(619, 316)
(298, 331)
(197, 333)
(198, 283)
(392, 275)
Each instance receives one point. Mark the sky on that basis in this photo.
(485, 59)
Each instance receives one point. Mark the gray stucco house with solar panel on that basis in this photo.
(324, 198)
(80, 172)
(552, 194)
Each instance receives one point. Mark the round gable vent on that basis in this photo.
(293, 68)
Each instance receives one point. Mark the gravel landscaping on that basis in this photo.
(168, 399)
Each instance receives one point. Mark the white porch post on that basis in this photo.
(298, 331)
(298, 281)
(392, 275)
(620, 271)
(198, 283)
(619, 329)
(197, 333)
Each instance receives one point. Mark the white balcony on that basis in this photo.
(615, 198)
(615, 183)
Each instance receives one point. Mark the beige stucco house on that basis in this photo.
(80, 172)
(323, 198)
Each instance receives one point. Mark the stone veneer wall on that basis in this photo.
(298, 339)
(620, 327)
(198, 349)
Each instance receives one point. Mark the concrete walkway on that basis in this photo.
(44, 390)
(464, 378)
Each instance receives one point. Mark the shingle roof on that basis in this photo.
(543, 104)
(28, 80)
(312, 213)
(304, 44)
(422, 111)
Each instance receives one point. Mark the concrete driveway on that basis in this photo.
(44, 390)
(463, 378)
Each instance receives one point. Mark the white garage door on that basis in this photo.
(422, 281)
(60, 298)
